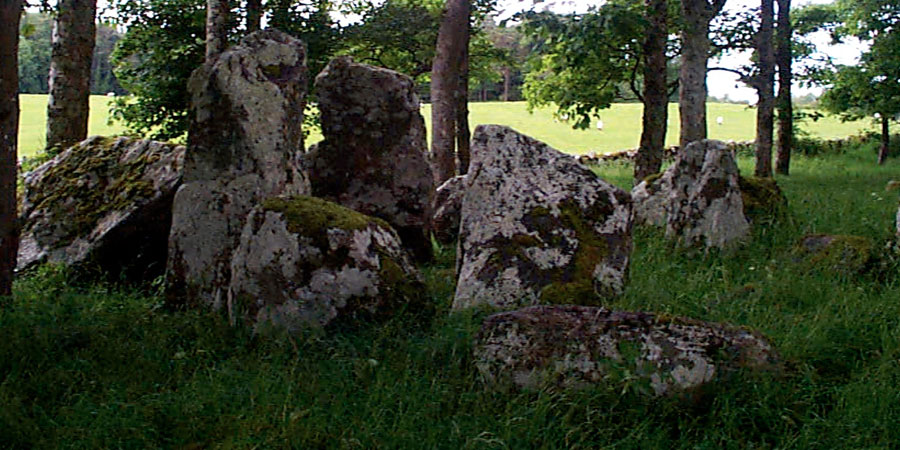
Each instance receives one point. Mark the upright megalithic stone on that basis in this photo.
(374, 158)
(244, 145)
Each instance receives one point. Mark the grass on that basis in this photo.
(621, 124)
(95, 366)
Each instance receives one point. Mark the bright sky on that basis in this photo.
(720, 83)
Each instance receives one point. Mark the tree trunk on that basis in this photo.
(463, 135)
(692, 77)
(783, 56)
(765, 108)
(656, 102)
(10, 13)
(885, 139)
(444, 81)
(254, 15)
(216, 27)
(507, 81)
(74, 32)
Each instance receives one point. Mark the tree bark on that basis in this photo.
(216, 27)
(507, 81)
(254, 15)
(885, 140)
(444, 81)
(765, 108)
(463, 135)
(783, 56)
(10, 14)
(74, 33)
(692, 76)
(656, 101)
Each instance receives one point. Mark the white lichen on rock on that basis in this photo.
(244, 145)
(574, 346)
(537, 227)
(305, 262)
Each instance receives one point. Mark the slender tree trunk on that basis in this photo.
(74, 33)
(216, 27)
(783, 56)
(254, 15)
(507, 81)
(885, 140)
(692, 76)
(765, 109)
(444, 81)
(462, 109)
(656, 102)
(10, 14)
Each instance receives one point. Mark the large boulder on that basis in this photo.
(575, 346)
(538, 227)
(105, 202)
(244, 143)
(710, 212)
(306, 262)
(373, 158)
(698, 199)
(446, 209)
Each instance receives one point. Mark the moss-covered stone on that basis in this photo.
(846, 255)
(763, 200)
(312, 216)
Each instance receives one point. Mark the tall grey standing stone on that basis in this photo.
(537, 227)
(104, 203)
(374, 156)
(710, 211)
(243, 145)
(652, 196)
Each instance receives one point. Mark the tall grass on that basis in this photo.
(96, 366)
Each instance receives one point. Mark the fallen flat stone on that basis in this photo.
(578, 346)
(103, 203)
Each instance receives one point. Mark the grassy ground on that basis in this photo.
(102, 367)
(622, 124)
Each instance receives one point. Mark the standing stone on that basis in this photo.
(104, 203)
(652, 196)
(243, 145)
(574, 346)
(537, 227)
(306, 262)
(446, 209)
(709, 212)
(374, 157)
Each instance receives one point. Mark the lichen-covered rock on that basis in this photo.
(574, 346)
(243, 145)
(446, 209)
(763, 200)
(846, 255)
(653, 195)
(105, 202)
(306, 262)
(373, 158)
(537, 227)
(708, 212)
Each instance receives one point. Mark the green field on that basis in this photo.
(622, 124)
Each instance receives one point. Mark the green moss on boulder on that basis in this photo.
(847, 255)
(763, 199)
